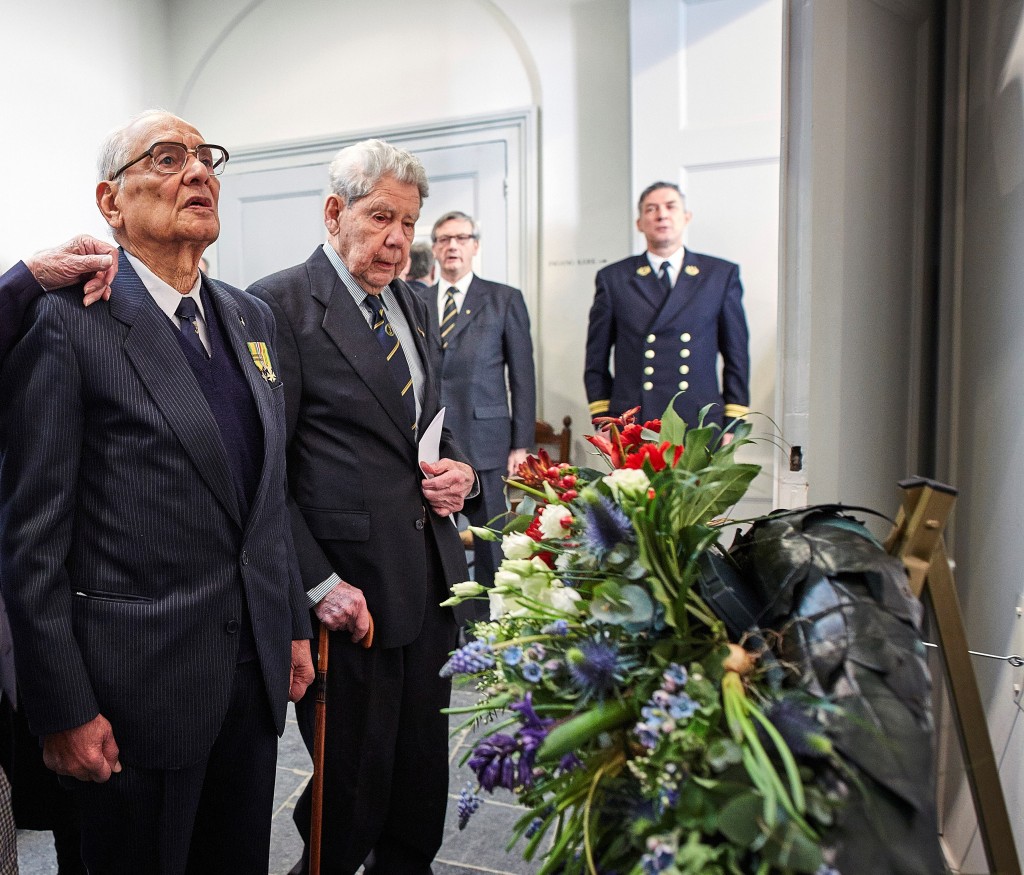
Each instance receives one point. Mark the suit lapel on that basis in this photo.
(472, 305)
(156, 356)
(646, 283)
(429, 297)
(687, 285)
(346, 325)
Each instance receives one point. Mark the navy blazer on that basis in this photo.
(354, 480)
(18, 289)
(491, 337)
(663, 345)
(124, 557)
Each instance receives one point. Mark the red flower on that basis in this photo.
(655, 455)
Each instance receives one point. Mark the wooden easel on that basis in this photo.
(917, 540)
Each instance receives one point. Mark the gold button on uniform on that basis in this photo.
(683, 384)
(685, 337)
(684, 369)
(651, 338)
(684, 353)
(648, 371)
(648, 386)
(650, 354)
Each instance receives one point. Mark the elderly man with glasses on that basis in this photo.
(146, 555)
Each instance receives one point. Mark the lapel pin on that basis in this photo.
(241, 320)
(643, 271)
(467, 311)
(691, 270)
(261, 358)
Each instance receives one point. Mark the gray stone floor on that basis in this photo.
(478, 848)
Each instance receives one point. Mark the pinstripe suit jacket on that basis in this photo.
(357, 505)
(124, 559)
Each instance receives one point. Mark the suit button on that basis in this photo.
(231, 627)
(685, 337)
(683, 384)
(648, 371)
(651, 338)
(245, 558)
(420, 524)
(649, 354)
(648, 386)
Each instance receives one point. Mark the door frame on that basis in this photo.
(518, 130)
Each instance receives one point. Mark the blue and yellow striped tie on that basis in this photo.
(397, 364)
(449, 316)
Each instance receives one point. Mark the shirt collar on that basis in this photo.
(166, 296)
(675, 260)
(357, 292)
(461, 287)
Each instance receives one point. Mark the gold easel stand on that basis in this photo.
(917, 540)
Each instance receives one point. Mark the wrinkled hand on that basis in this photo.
(515, 459)
(447, 486)
(301, 674)
(87, 752)
(344, 607)
(74, 261)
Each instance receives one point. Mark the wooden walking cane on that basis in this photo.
(319, 729)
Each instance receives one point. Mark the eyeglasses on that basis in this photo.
(172, 157)
(459, 238)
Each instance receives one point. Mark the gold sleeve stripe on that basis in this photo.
(736, 411)
(599, 407)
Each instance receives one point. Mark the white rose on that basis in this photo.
(517, 546)
(467, 589)
(563, 598)
(551, 521)
(631, 482)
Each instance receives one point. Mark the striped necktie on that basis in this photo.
(449, 317)
(397, 364)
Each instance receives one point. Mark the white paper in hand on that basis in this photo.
(429, 449)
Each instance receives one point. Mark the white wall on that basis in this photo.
(277, 71)
(707, 114)
(988, 360)
(69, 72)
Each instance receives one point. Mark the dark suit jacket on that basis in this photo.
(354, 480)
(491, 335)
(123, 555)
(665, 345)
(18, 289)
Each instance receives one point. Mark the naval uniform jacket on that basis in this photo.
(662, 345)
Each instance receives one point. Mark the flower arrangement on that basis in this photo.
(638, 737)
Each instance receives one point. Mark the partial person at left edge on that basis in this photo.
(146, 557)
(85, 260)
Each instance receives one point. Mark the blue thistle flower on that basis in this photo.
(469, 803)
(605, 527)
(595, 667)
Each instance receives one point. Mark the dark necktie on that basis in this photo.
(449, 317)
(666, 279)
(397, 364)
(187, 312)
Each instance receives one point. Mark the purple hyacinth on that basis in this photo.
(469, 803)
(503, 760)
(475, 656)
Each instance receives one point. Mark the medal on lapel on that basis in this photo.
(261, 358)
(643, 271)
(691, 270)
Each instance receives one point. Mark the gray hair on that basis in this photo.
(115, 151)
(356, 169)
(454, 214)
(654, 186)
(421, 259)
